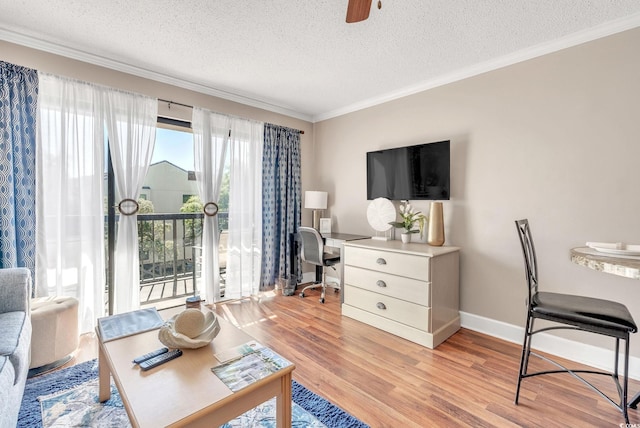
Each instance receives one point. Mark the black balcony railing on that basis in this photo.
(168, 249)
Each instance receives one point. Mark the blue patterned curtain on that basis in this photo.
(18, 106)
(281, 201)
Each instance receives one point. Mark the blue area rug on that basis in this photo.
(68, 389)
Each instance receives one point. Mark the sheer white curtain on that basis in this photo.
(244, 255)
(131, 124)
(70, 211)
(210, 140)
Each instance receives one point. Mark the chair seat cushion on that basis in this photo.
(330, 259)
(584, 312)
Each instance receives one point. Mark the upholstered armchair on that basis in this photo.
(15, 339)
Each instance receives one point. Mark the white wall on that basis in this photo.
(555, 139)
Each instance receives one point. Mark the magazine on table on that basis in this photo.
(231, 354)
(129, 323)
(247, 369)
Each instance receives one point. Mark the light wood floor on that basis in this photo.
(386, 381)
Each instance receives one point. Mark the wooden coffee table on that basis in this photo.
(185, 391)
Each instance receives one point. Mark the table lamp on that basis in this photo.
(317, 201)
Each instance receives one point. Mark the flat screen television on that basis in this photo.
(412, 172)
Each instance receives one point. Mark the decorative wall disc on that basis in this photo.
(380, 213)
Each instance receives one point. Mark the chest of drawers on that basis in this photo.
(410, 290)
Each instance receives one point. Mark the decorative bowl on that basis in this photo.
(173, 339)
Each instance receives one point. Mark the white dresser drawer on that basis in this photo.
(400, 287)
(410, 290)
(413, 315)
(407, 265)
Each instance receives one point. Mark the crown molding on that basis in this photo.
(577, 38)
(67, 52)
(574, 39)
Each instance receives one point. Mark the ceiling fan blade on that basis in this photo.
(358, 10)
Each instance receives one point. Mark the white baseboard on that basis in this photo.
(593, 356)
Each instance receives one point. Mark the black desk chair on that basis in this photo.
(574, 313)
(313, 252)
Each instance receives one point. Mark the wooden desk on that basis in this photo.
(337, 240)
(185, 391)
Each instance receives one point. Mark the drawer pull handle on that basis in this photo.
(381, 261)
(381, 283)
(381, 305)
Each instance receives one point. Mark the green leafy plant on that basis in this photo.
(410, 219)
(193, 228)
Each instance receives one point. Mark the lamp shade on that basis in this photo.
(315, 200)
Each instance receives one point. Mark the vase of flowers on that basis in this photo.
(412, 221)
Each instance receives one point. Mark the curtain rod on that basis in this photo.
(188, 106)
(173, 102)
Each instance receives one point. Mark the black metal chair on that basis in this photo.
(313, 252)
(575, 313)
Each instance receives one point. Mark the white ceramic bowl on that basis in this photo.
(172, 339)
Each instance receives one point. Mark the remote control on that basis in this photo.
(160, 359)
(152, 354)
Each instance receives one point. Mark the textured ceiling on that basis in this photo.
(299, 57)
